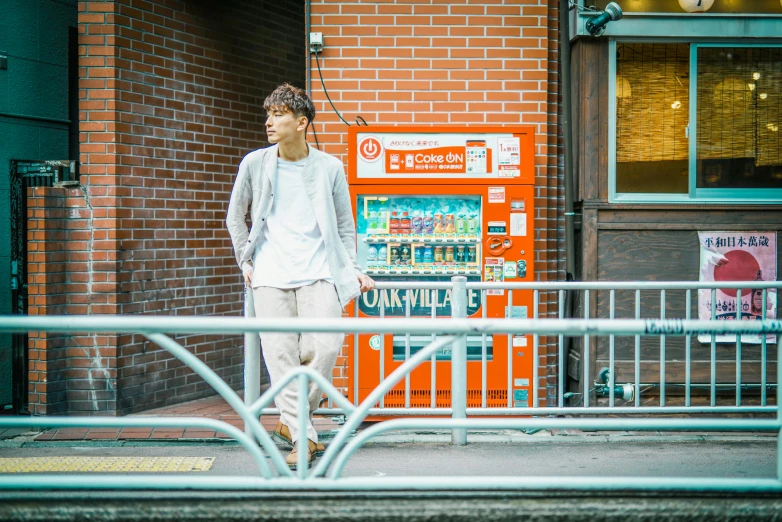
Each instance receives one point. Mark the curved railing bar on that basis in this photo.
(225, 391)
(406, 484)
(621, 285)
(323, 384)
(145, 422)
(239, 325)
(360, 413)
(546, 424)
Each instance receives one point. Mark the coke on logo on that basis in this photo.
(370, 149)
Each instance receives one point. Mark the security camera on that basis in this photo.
(597, 25)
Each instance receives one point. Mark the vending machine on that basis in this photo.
(432, 203)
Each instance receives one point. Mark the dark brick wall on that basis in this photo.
(171, 96)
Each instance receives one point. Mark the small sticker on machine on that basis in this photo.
(518, 224)
(496, 194)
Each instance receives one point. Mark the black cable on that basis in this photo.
(317, 61)
(315, 134)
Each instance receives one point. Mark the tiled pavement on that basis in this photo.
(212, 407)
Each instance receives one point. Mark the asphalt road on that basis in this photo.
(740, 458)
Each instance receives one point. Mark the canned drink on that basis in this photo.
(404, 255)
(438, 254)
(461, 256)
(372, 254)
(382, 255)
(449, 254)
(394, 255)
(428, 254)
(419, 254)
(472, 253)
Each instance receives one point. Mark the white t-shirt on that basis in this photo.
(292, 252)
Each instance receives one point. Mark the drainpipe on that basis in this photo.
(307, 29)
(567, 131)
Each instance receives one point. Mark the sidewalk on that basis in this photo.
(216, 408)
(211, 407)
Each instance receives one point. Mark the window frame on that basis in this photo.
(695, 194)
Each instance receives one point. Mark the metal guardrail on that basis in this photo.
(555, 293)
(326, 475)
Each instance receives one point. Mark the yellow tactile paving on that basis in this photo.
(106, 464)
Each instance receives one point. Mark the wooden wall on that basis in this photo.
(637, 242)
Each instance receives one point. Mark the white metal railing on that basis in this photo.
(651, 294)
(327, 473)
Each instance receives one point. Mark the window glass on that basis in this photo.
(738, 7)
(738, 118)
(652, 112)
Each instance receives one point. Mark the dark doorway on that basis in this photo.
(24, 174)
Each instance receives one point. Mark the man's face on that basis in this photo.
(282, 125)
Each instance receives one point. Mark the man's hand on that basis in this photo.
(248, 276)
(367, 283)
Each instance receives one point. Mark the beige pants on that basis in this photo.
(283, 352)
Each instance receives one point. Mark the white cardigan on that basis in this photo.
(327, 188)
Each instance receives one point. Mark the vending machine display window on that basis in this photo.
(419, 235)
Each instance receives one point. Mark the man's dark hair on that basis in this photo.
(290, 98)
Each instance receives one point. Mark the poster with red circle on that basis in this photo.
(737, 257)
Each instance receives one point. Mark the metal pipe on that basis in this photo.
(302, 443)
(567, 135)
(141, 421)
(426, 484)
(252, 357)
(433, 397)
(356, 361)
(407, 349)
(611, 346)
(585, 362)
(459, 361)
(484, 355)
(550, 424)
(561, 362)
(535, 298)
(738, 349)
(713, 358)
(763, 356)
(225, 391)
(238, 325)
(509, 314)
(360, 413)
(688, 349)
(662, 351)
(637, 365)
(543, 410)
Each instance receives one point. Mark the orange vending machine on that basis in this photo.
(432, 203)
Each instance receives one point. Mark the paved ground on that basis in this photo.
(738, 457)
(210, 407)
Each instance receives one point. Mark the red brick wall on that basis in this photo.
(171, 96)
(67, 373)
(444, 62)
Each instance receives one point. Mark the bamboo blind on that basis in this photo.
(652, 102)
(739, 114)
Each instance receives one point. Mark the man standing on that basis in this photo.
(300, 256)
